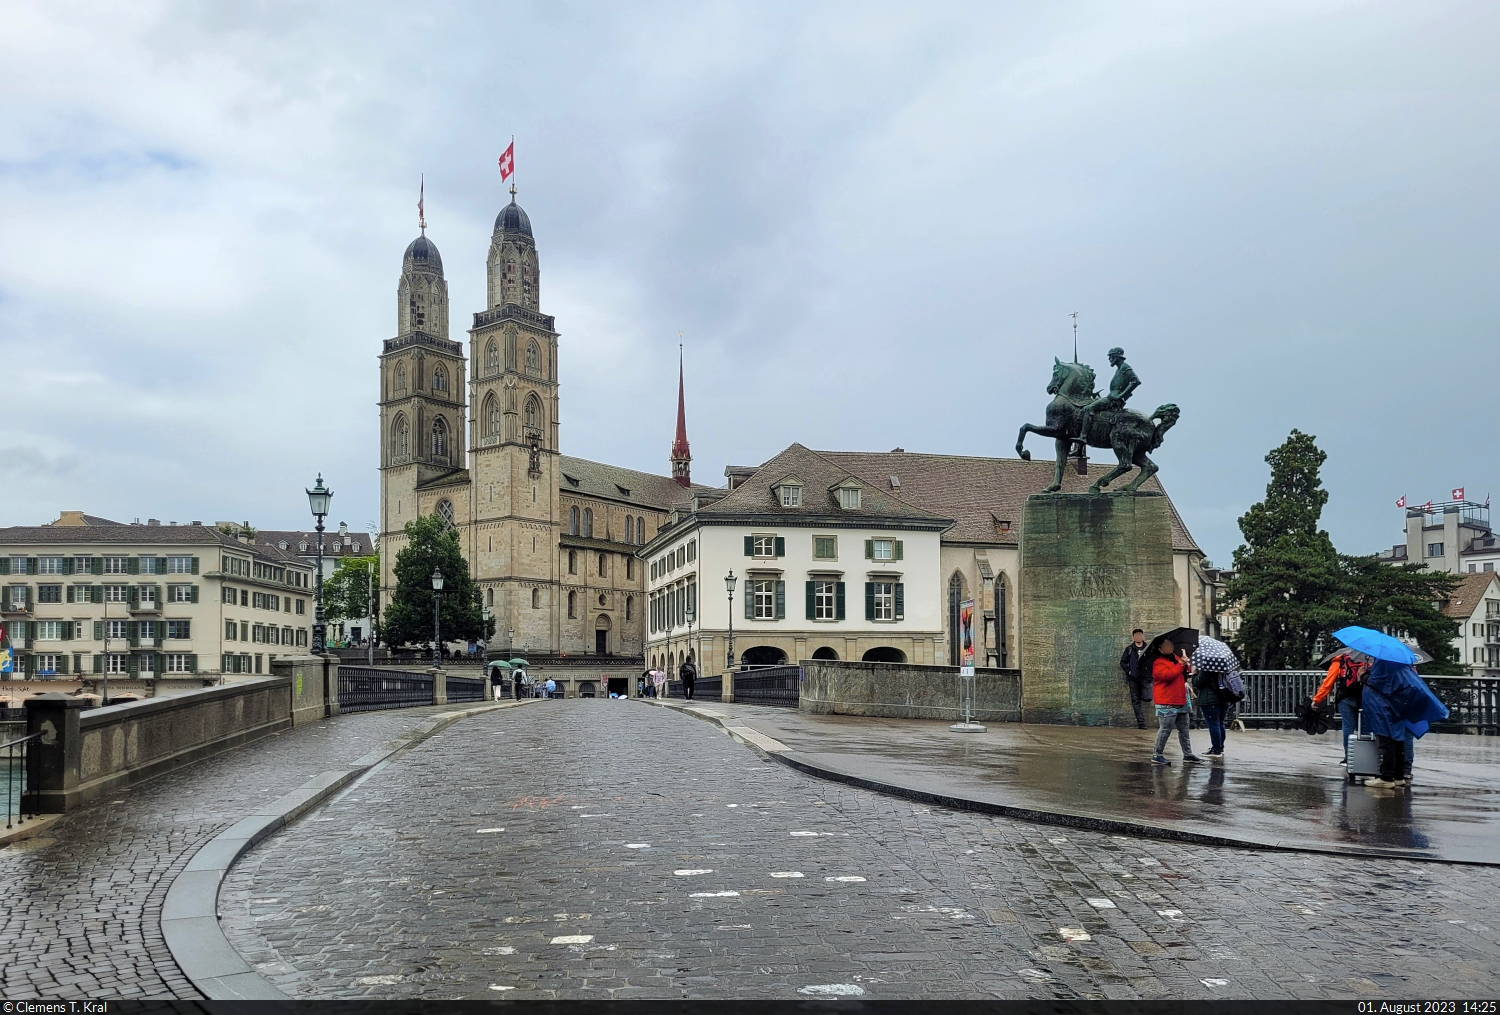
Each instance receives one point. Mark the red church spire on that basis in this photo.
(682, 457)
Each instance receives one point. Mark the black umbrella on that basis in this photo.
(1184, 639)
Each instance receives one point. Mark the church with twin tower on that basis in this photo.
(473, 435)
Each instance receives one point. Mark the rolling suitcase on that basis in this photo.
(1364, 754)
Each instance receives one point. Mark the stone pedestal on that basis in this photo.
(1092, 569)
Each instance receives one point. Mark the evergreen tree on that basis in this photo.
(346, 593)
(432, 545)
(1402, 601)
(1290, 582)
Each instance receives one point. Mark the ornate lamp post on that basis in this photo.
(437, 598)
(318, 499)
(510, 641)
(688, 613)
(729, 582)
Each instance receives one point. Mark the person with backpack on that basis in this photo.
(1137, 675)
(688, 673)
(1346, 682)
(1218, 686)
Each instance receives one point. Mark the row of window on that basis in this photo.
(15, 598)
(125, 664)
(680, 557)
(573, 604)
(765, 599)
(602, 565)
(133, 631)
(671, 607)
(266, 634)
(581, 523)
(262, 600)
(1489, 565)
(85, 564)
(492, 356)
(789, 494)
(768, 545)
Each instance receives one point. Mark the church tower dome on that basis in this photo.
(422, 255)
(514, 276)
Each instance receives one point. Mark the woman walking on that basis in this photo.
(1169, 693)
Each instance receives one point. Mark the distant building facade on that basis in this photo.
(1453, 536)
(1475, 606)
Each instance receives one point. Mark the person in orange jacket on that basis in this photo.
(1346, 682)
(1169, 693)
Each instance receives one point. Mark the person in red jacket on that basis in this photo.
(1169, 692)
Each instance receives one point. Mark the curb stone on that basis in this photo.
(190, 912)
(737, 729)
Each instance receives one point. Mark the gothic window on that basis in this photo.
(510, 350)
(416, 377)
(400, 439)
(491, 417)
(492, 358)
(572, 521)
(603, 565)
(629, 569)
(588, 523)
(489, 597)
(572, 605)
(572, 562)
(533, 413)
(401, 378)
(536, 599)
(439, 439)
(439, 379)
(445, 511)
(415, 309)
(629, 525)
(640, 530)
(533, 359)
(629, 605)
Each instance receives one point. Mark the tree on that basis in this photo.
(1402, 601)
(346, 593)
(432, 545)
(1290, 581)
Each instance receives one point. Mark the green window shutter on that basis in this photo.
(96, 593)
(192, 664)
(67, 565)
(194, 588)
(62, 664)
(869, 549)
(869, 600)
(4, 565)
(195, 565)
(899, 545)
(132, 565)
(900, 601)
(133, 634)
(5, 598)
(130, 665)
(780, 547)
(70, 593)
(161, 663)
(98, 663)
(31, 632)
(161, 565)
(96, 566)
(812, 599)
(135, 597)
(749, 601)
(781, 600)
(98, 631)
(67, 630)
(838, 601)
(31, 565)
(749, 547)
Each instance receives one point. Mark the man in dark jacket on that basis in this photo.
(689, 674)
(1136, 678)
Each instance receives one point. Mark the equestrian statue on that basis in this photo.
(1080, 417)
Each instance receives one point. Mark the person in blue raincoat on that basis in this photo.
(1397, 705)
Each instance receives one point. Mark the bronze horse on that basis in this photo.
(1129, 433)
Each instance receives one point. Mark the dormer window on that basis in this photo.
(849, 497)
(790, 495)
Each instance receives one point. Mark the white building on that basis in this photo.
(1453, 536)
(1475, 605)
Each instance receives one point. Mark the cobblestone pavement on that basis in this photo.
(80, 916)
(604, 849)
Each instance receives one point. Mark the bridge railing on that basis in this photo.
(772, 685)
(1273, 696)
(364, 688)
(19, 801)
(466, 688)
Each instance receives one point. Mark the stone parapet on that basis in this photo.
(907, 691)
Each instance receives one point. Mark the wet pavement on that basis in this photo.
(1279, 788)
(613, 850)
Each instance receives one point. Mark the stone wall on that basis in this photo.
(907, 691)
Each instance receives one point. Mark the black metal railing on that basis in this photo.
(19, 800)
(1473, 703)
(466, 688)
(364, 689)
(704, 689)
(1273, 696)
(772, 685)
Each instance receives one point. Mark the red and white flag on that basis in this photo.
(1458, 493)
(1427, 507)
(421, 196)
(1401, 501)
(508, 161)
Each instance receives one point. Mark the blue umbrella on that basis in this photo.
(1376, 645)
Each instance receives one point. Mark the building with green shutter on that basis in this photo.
(827, 566)
(155, 607)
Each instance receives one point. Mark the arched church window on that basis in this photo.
(533, 412)
(439, 439)
(629, 606)
(489, 597)
(572, 521)
(492, 358)
(588, 523)
(603, 566)
(439, 379)
(572, 605)
(445, 511)
(492, 417)
(629, 528)
(640, 530)
(572, 562)
(536, 599)
(533, 359)
(401, 439)
(401, 378)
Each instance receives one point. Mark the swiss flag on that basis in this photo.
(508, 162)
(1427, 507)
(1402, 501)
(1458, 493)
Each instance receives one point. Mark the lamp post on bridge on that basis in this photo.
(318, 499)
(729, 582)
(437, 599)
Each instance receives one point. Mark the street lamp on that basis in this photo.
(437, 598)
(688, 613)
(729, 582)
(510, 641)
(318, 499)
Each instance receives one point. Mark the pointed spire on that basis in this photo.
(421, 200)
(682, 456)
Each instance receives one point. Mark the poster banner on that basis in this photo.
(966, 634)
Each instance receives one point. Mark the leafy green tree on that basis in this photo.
(432, 545)
(1290, 582)
(346, 593)
(1402, 600)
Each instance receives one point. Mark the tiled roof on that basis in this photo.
(333, 544)
(1462, 602)
(819, 475)
(578, 475)
(979, 493)
(128, 537)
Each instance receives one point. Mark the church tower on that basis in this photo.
(422, 379)
(514, 439)
(682, 457)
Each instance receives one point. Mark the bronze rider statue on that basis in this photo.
(1121, 387)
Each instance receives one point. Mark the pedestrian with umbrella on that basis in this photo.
(1398, 706)
(1169, 671)
(1213, 666)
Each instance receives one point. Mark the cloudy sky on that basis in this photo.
(869, 221)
